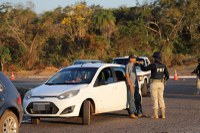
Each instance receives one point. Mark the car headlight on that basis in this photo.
(140, 78)
(28, 95)
(68, 94)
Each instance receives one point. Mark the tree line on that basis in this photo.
(56, 38)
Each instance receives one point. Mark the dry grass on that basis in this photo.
(24, 73)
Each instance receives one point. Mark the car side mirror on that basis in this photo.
(102, 82)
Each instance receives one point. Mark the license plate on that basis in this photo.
(41, 106)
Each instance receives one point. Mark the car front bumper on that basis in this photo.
(52, 107)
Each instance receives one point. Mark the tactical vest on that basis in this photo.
(158, 73)
(198, 70)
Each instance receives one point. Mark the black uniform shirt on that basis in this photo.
(158, 70)
(197, 70)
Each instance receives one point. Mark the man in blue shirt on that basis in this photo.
(132, 84)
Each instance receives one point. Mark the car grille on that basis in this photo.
(42, 108)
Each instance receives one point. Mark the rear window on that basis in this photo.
(121, 61)
(120, 73)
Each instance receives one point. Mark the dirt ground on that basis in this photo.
(182, 70)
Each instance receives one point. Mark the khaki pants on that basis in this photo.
(157, 90)
(198, 84)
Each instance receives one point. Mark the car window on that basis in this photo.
(123, 61)
(147, 62)
(120, 73)
(140, 60)
(105, 77)
(77, 62)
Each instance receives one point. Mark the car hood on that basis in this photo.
(54, 90)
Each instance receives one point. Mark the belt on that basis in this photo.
(157, 80)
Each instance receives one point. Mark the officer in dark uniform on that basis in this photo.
(159, 74)
(197, 72)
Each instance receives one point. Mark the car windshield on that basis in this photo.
(73, 76)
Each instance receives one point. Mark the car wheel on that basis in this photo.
(86, 113)
(9, 123)
(144, 89)
(35, 120)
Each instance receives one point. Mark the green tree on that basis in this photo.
(77, 21)
(4, 55)
(23, 27)
(104, 21)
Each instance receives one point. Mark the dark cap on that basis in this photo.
(132, 56)
(157, 55)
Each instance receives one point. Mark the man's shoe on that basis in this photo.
(139, 115)
(133, 116)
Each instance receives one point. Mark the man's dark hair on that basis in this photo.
(131, 56)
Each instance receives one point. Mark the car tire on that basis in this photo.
(144, 89)
(35, 120)
(9, 122)
(86, 117)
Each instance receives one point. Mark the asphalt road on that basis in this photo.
(182, 115)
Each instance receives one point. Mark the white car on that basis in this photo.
(78, 90)
(143, 76)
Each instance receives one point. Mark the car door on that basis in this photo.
(104, 92)
(121, 87)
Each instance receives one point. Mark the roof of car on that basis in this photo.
(94, 65)
(144, 57)
(126, 57)
(87, 61)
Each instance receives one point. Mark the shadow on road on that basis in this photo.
(70, 121)
(183, 96)
(115, 115)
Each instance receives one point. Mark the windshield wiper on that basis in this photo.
(56, 83)
(49, 83)
(65, 83)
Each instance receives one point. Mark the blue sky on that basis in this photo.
(45, 5)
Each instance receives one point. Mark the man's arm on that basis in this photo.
(128, 78)
(129, 83)
(166, 73)
(195, 70)
(198, 70)
(147, 68)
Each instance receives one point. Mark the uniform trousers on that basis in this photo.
(198, 85)
(157, 91)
